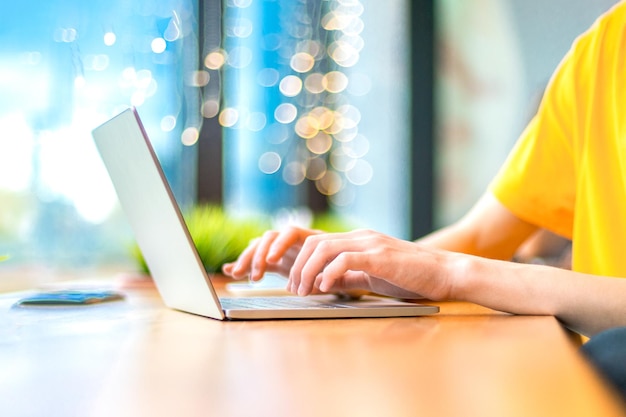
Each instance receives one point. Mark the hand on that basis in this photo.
(369, 260)
(273, 252)
(339, 262)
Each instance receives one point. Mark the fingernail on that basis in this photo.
(301, 291)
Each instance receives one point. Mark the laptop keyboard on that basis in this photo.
(273, 303)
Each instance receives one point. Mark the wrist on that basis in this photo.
(463, 275)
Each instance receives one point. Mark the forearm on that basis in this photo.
(489, 230)
(457, 238)
(584, 303)
(451, 238)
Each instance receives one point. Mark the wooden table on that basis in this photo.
(138, 358)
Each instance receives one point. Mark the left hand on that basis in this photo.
(371, 261)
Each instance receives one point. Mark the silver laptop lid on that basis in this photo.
(154, 216)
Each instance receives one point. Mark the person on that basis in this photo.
(566, 174)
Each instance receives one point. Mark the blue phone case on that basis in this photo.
(69, 297)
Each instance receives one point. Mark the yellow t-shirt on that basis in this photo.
(567, 173)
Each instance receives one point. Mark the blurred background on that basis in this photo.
(388, 115)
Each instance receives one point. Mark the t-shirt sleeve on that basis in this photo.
(537, 181)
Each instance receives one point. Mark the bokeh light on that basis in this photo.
(239, 57)
(168, 123)
(358, 147)
(312, 132)
(256, 121)
(330, 183)
(285, 113)
(271, 42)
(340, 161)
(325, 117)
(96, 62)
(316, 168)
(269, 162)
(158, 45)
(137, 98)
(65, 35)
(229, 117)
(268, 77)
(302, 62)
(320, 143)
(240, 28)
(294, 173)
(343, 53)
(110, 38)
(335, 82)
(199, 78)
(307, 127)
(314, 83)
(210, 108)
(346, 134)
(277, 133)
(360, 173)
(190, 136)
(215, 60)
(290, 86)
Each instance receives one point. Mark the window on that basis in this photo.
(65, 67)
(311, 97)
(316, 96)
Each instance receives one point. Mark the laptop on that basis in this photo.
(170, 254)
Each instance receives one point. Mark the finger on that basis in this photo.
(283, 266)
(354, 270)
(295, 275)
(241, 267)
(317, 253)
(347, 270)
(286, 249)
(285, 240)
(352, 284)
(325, 246)
(259, 258)
(227, 268)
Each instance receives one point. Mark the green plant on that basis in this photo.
(4, 257)
(331, 222)
(218, 237)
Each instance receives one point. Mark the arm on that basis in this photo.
(369, 260)
(489, 230)
(433, 267)
(585, 303)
